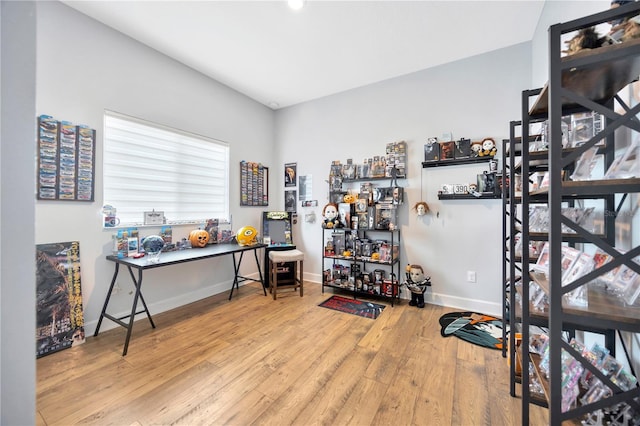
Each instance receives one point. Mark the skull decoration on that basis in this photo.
(198, 238)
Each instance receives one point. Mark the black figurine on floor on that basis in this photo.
(417, 284)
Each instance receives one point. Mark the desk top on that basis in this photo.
(188, 255)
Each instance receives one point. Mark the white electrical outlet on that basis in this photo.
(471, 276)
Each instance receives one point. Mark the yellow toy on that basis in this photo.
(247, 236)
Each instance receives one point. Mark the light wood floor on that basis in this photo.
(254, 360)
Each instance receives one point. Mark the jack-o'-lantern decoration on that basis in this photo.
(349, 198)
(247, 236)
(198, 238)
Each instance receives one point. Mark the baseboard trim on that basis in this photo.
(166, 304)
(462, 303)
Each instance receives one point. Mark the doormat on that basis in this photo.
(352, 306)
(479, 329)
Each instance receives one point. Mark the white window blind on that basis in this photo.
(152, 167)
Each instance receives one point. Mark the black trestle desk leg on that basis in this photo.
(106, 300)
(255, 253)
(144, 304)
(138, 285)
(236, 268)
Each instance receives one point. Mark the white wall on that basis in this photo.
(473, 98)
(17, 184)
(84, 68)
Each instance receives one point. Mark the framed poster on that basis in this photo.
(254, 184)
(290, 201)
(59, 315)
(290, 174)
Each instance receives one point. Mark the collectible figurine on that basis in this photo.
(417, 284)
(421, 208)
(331, 217)
(476, 148)
(488, 148)
(624, 29)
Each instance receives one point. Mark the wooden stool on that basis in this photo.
(293, 256)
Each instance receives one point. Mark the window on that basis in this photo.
(149, 167)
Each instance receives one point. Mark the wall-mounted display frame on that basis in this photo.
(66, 161)
(254, 184)
(290, 196)
(290, 174)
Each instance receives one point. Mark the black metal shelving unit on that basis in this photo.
(365, 263)
(586, 81)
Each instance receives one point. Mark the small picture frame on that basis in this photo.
(432, 150)
(462, 148)
(447, 150)
(153, 218)
(290, 174)
(487, 182)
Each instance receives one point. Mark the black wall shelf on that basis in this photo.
(483, 196)
(456, 161)
(371, 179)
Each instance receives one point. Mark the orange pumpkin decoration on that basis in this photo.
(375, 256)
(349, 198)
(198, 238)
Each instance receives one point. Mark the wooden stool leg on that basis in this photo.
(273, 276)
(301, 277)
(295, 276)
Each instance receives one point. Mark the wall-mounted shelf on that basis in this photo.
(456, 161)
(371, 179)
(482, 196)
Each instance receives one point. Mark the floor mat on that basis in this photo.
(479, 329)
(353, 306)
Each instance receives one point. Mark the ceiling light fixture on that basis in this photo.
(296, 4)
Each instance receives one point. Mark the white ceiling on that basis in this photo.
(281, 57)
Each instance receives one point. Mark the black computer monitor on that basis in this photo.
(277, 227)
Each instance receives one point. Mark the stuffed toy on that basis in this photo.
(476, 148)
(417, 284)
(488, 148)
(331, 217)
(587, 38)
(624, 29)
